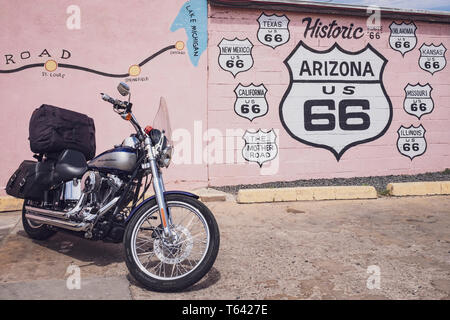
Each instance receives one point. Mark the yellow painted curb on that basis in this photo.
(10, 204)
(305, 194)
(418, 188)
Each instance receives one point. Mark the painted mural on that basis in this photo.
(66, 54)
(349, 86)
(254, 95)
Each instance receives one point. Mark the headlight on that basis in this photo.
(166, 156)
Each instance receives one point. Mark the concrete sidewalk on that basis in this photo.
(288, 250)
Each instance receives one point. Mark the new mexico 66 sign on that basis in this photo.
(235, 55)
(336, 98)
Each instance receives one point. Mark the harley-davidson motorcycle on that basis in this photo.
(171, 239)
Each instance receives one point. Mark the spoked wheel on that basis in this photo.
(171, 264)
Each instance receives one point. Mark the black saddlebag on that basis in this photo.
(31, 180)
(54, 129)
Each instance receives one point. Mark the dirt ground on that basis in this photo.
(388, 248)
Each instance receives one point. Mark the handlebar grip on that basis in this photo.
(107, 98)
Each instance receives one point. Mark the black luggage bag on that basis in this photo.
(31, 180)
(54, 129)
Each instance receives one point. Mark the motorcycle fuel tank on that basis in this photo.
(121, 159)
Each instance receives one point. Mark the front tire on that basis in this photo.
(167, 266)
(34, 230)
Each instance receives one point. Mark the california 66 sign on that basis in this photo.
(336, 98)
(251, 101)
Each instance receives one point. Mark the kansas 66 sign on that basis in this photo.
(336, 98)
(432, 58)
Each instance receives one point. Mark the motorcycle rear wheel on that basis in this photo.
(171, 265)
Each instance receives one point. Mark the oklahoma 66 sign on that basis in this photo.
(336, 98)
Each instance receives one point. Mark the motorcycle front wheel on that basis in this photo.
(167, 265)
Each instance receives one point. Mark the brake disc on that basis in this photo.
(178, 250)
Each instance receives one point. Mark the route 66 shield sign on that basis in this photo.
(403, 37)
(251, 101)
(418, 100)
(336, 98)
(411, 141)
(273, 30)
(260, 146)
(235, 55)
(432, 58)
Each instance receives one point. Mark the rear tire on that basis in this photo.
(34, 230)
(178, 257)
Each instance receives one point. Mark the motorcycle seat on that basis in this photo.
(69, 165)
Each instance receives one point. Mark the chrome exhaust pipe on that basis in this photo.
(57, 214)
(74, 226)
(61, 219)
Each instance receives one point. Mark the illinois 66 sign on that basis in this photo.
(336, 98)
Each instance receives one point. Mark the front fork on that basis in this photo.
(158, 186)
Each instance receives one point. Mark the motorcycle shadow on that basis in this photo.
(81, 250)
(211, 278)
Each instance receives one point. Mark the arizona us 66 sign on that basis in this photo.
(336, 98)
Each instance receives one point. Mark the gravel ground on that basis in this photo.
(379, 182)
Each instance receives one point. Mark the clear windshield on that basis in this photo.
(162, 120)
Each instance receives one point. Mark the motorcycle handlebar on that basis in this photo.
(117, 103)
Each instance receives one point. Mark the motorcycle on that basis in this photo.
(171, 239)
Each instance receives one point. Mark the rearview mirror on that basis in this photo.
(123, 89)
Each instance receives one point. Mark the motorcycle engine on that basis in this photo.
(98, 189)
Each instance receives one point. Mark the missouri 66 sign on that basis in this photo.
(336, 98)
(418, 99)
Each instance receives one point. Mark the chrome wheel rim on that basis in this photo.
(170, 260)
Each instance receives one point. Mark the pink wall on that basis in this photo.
(113, 36)
(207, 130)
(296, 160)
